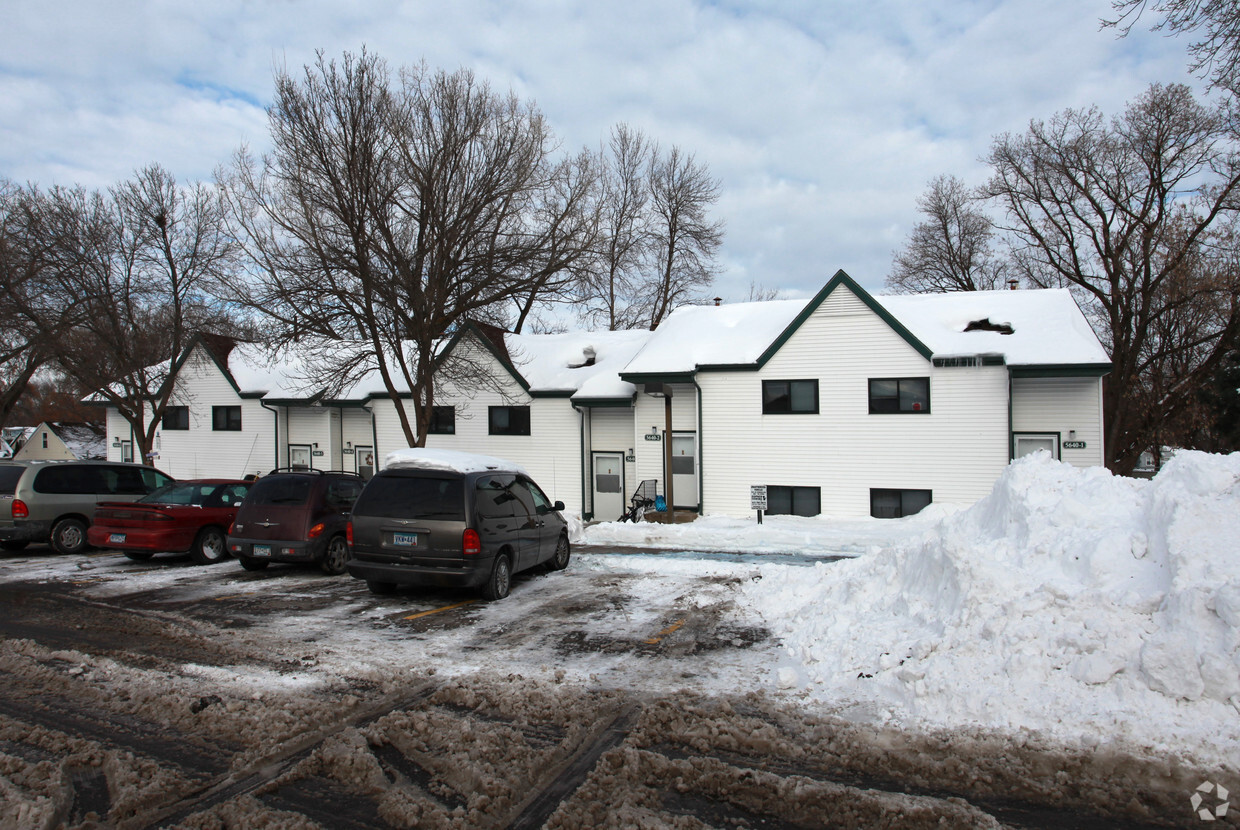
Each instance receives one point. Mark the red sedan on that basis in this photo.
(189, 516)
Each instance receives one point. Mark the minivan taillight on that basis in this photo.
(20, 510)
(471, 543)
(348, 532)
(316, 530)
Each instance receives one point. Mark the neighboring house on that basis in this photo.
(61, 441)
(845, 405)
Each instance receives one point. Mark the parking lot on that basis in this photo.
(165, 695)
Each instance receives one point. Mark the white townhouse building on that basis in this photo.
(846, 404)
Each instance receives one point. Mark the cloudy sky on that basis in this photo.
(823, 120)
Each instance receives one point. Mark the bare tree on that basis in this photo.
(23, 344)
(1133, 215)
(683, 238)
(389, 213)
(134, 265)
(949, 250)
(1215, 23)
(610, 291)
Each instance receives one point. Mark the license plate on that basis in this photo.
(405, 540)
(262, 550)
(116, 538)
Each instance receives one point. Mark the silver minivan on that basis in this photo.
(55, 501)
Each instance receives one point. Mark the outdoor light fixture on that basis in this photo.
(1071, 435)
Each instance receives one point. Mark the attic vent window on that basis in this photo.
(984, 324)
(588, 354)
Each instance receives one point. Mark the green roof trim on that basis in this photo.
(604, 403)
(552, 393)
(1061, 370)
(842, 279)
(198, 341)
(658, 377)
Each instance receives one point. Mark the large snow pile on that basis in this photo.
(1069, 601)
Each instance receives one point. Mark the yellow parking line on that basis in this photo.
(654, 641)
(437, 610)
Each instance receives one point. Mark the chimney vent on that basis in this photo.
(719, 301)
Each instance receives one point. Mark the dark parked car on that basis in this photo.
(463, 527)
(189, 516)
(295, 516)
(55, 501)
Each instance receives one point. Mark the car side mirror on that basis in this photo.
(559, 505)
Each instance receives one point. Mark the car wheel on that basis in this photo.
(500, 581)
(254, 564)
(560, 561)
(335, 557)
(381, 588)
(209, 547)
(138, 555)
(10, 545)
(69, 536)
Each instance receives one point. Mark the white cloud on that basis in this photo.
(824, 121)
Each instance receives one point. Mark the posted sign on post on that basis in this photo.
(757, 499)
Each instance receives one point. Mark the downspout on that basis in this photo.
(374, 436)
(275, 446)
(1011, 436)
(581, 455)
(701, 476)
(340, 443)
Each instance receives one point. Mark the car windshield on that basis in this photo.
(179, 494)
(405, 497)
(281, 490)
(9, 475)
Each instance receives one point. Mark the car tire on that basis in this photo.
(138, 555)
(499, 583)
(253, 564)
(13, 546)
(559, 561)
(69, 536)
(381, 588)
(335, 556)
(209, 547)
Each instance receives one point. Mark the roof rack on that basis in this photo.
(312, 470)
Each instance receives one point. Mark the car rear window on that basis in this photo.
(10, 474)
(405, 497)
(281, 490)
(180, 494)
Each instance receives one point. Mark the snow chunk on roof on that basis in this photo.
(558, 362)
(1047, 325)
(447, 461)
(693, 336)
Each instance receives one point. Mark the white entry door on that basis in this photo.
(684, 469)
(1030, 443)
(299, 456)
(365, 459)
(608, 486)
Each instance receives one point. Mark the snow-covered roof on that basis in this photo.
(447, 460)
(1047, 326)
(588, 364)
(1047, 329)
(693, 336)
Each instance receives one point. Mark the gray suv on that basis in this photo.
(55, 501)
(453, 528)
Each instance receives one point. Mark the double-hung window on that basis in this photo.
(790, 397)
(443, 421)
(176, 417)
(226, 418)
(899, 395)
(508, 420)
(896, 504)
(793, 501)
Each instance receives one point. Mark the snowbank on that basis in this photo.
(448, 460)
(1067, 601)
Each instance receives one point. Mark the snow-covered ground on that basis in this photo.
(1081, 607)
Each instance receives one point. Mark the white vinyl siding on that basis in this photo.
(1062, 405)
(200, 451)
(957, 450)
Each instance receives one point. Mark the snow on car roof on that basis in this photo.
(421, 458)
